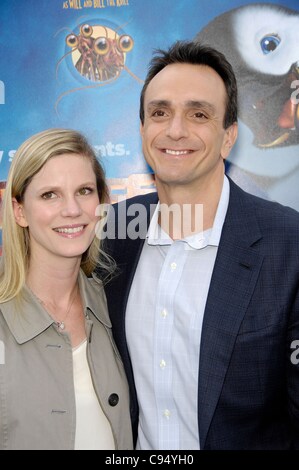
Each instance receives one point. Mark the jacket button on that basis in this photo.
(113, 399)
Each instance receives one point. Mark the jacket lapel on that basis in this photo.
(133, 245)
(234, 277)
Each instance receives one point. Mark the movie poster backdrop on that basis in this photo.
(81, 64)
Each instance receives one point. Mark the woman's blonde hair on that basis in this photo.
(30, 158)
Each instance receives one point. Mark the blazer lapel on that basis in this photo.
(135, 244)
(234, 277)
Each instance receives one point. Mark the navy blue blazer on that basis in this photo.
(248, 384)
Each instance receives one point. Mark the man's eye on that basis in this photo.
(49, 195)
(200, 115)
(158, 113)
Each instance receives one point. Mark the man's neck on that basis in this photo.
(185, 210)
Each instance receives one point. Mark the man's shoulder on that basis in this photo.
(267, 209)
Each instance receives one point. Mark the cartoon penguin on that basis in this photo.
(261, 42)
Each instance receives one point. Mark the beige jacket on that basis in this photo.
(37, 398)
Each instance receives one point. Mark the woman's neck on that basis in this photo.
(53, 280)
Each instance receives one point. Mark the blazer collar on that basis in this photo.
(241, 221)
(26, 317)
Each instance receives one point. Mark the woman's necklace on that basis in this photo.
(60, 323)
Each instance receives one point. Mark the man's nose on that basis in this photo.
(177, 128)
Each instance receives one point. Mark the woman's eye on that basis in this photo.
(48, 195)
(85, 191)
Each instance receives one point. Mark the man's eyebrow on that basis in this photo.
(200, 105)
(158, 103)
(188, 104)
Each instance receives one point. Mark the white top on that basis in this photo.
(163, 325)
(93, 430)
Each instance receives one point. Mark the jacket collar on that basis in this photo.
(26, 317)
(93, 298)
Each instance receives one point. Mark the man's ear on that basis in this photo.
(19, 213)
(229, 140)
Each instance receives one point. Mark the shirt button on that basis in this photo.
(162, 364)
(166, 414)
(173, 266)
(164, 313)
(113, 399)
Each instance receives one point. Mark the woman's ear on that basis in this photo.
(19, 213)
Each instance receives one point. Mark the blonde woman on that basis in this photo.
(62, 383)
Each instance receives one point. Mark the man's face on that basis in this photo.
(183, 137)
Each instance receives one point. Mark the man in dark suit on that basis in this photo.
(204, 304)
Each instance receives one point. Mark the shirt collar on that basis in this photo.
(210, 237)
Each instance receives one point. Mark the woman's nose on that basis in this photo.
(71, 207)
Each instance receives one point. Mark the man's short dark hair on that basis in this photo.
(195, 53)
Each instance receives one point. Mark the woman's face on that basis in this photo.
(59, 208)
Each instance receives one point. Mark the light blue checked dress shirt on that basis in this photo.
(163, 327)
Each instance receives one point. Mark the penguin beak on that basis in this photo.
(289, 117)
(285, 112)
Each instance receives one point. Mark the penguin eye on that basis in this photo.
(269, 43)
